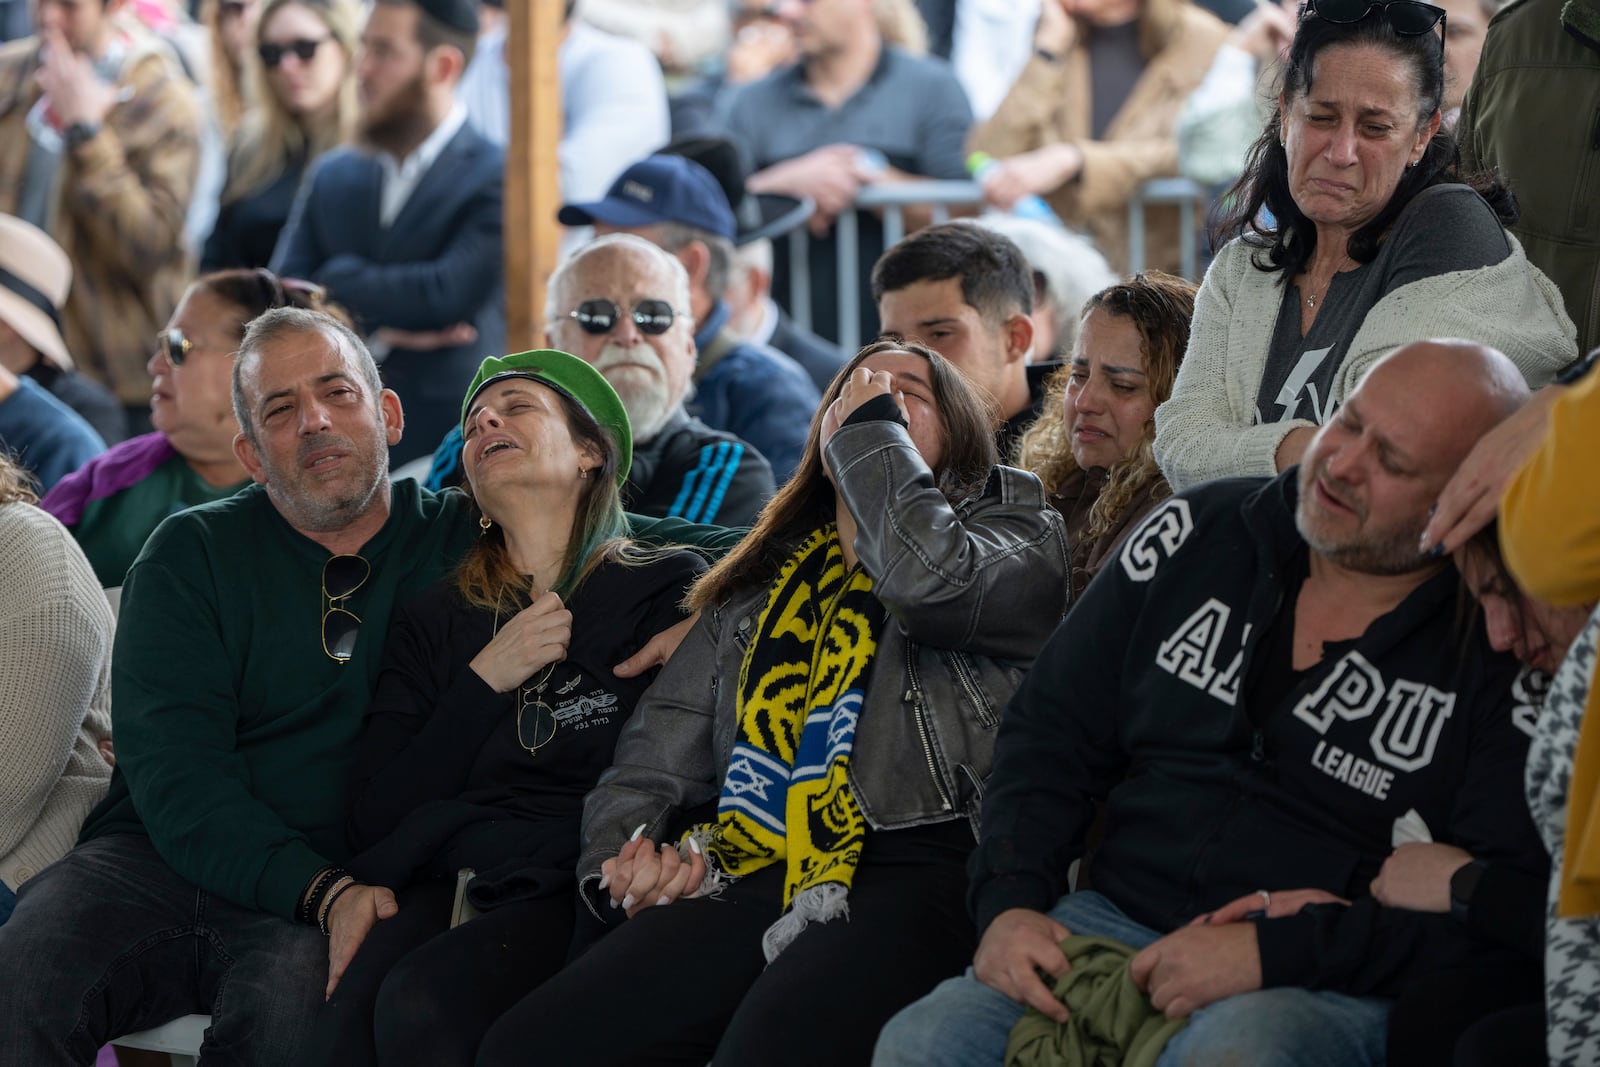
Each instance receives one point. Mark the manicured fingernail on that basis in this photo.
(694, 846)
(1433, 509)
(639, 832)
(663, 901)
(627, 902)
(605, 880)
(613, 902)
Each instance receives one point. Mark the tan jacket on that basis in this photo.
(120, 204)
(1050, 104)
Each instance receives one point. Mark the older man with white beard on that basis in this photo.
(622, 305)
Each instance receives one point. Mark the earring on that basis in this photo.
(484, 522)
(582, 473)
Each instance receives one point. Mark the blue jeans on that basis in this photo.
(111, 940)
(964, 1023)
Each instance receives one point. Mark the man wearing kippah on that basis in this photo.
(405, 230)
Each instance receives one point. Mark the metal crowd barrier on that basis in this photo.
(940, 196)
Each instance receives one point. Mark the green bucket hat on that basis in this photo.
(565, 374)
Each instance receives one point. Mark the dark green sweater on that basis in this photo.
(234, 730)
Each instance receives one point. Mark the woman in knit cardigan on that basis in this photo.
(1352, 233)
(55, 687)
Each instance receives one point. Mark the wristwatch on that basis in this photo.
(1462, 885)
(79, 133)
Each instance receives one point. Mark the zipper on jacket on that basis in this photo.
(958, 666)
(1258, 746)
(914, 694)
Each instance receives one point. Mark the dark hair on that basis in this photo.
(486, 577)
(259, 291)
(806, 501)
(1288, 242)
(995, 276)
(432, 33)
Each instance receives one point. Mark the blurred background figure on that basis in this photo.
(854, 109)
(1223, 117)
(613, 101)
(114, 503)
(1067, 270)
(1530, 115)
(100, 147)
(1091, 116)
(55, 687)
(753, 315)
(1091, 446)
(35, 277)
(233, 39)
(304, 93)
(406, 231)
(1466, 27)
(990, 44)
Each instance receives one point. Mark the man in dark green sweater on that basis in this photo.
(250, 638)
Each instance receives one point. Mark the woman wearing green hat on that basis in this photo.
(494, 714)
(811, 760)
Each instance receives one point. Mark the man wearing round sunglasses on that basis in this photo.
(616, 304)
(746, 389)
(100, 147)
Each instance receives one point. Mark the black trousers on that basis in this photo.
(687, 983)
(1439, 1019)
(417, 993)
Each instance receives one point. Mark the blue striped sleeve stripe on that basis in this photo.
(706, 485)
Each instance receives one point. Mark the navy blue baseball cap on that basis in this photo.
(661, 188)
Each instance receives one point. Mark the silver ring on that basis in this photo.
(1266, 898)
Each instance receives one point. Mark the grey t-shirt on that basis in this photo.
(1445, 228)
(1115, 65)
(911, 109)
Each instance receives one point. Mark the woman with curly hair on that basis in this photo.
(1091, 446)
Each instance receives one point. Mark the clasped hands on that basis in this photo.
(642, 875)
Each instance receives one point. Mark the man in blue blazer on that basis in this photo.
(405, 231)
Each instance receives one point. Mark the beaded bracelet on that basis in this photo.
(311, 901)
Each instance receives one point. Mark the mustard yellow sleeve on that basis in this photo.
(1550, 515)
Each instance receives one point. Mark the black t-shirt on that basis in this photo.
(1445, 228)
(1115, 65)
(442, 780)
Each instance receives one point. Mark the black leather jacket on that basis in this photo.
(972, 592)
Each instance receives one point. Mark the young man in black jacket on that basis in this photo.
(1268, 692)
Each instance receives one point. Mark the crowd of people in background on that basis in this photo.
(1098, 666)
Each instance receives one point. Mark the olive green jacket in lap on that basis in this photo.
(234, 730)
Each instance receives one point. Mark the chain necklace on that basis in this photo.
(1322, 291)
(531, 695)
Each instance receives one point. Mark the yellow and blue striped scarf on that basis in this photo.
(787, 792)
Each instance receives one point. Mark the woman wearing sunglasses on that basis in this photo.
(1352, 233)
(304, 104)
(494, 714)
(812, 757)
(116, 500)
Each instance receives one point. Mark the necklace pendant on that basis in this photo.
(1311, 301)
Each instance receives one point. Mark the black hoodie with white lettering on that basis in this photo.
(1145, 702)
